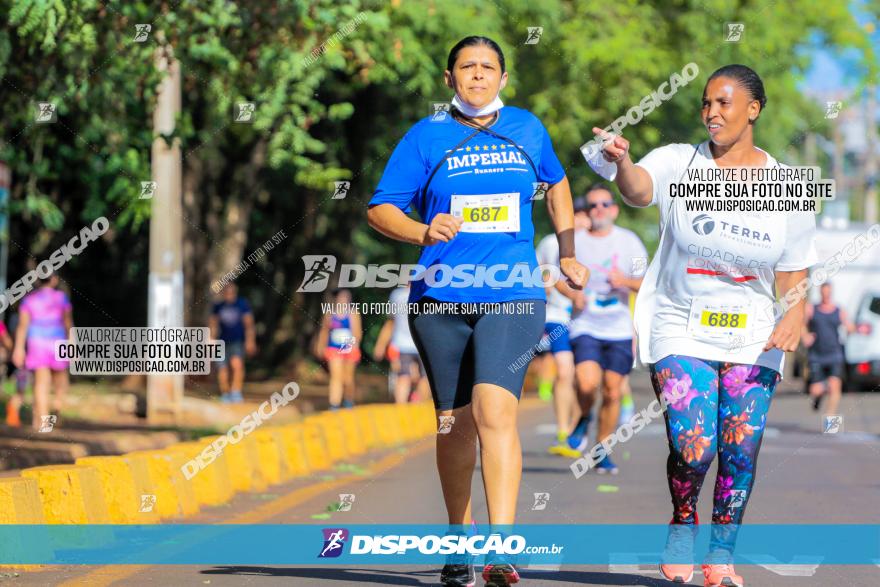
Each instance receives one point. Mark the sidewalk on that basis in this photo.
(99, 422)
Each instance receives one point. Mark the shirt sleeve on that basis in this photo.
(65, 302)
(215, 310)
(550, 170)
(245, 306)
(800, 243)
(403, 175)
(544, 252)
(664, 165)
(637, 250)
(398, 296)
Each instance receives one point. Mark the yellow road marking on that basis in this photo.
(107, 575)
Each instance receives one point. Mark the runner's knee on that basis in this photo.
(695, 455)
(611, 393)
(491, 417)
(564, 372)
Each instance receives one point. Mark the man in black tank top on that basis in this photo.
(825, 350)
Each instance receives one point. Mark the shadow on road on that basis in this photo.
(374, 576)
(592, 578)
(429, 576)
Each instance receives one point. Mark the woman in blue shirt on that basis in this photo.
(478, 310)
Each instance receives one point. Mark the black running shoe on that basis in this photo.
(458, 575)
(817, 401)
(500, 573)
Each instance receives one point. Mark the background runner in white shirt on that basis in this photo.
(396, 343)
(601, 328)
(557, 355)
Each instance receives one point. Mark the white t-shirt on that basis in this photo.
(558, 306)
(400, 334)
(715, 266)
(606, 315)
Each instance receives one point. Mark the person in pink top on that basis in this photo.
(46, 316)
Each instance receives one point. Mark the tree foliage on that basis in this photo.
(336, 85)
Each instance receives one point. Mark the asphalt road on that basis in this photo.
(804, 477)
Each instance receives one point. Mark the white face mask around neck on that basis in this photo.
(472, 112)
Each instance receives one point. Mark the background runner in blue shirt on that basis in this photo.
(233, 322)
(471, 174)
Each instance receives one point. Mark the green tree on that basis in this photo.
(335, 87)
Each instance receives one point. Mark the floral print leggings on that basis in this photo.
(714, 408)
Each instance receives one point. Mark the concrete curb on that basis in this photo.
(211, 482)
(290, 443)
(20, 504)
(175, 496)
(242, 458)
(20, 501)
(354, 439)
(334, 435)
(268, 456)
(148, 486)
(121, 494)
(70, 494)
(317, 455)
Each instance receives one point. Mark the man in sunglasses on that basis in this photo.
(601, 328)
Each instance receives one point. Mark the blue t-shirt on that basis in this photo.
(485, 165)
(231, 319)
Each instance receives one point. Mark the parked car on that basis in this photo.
(862, 348)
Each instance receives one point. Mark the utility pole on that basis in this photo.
(5, 186)
(165, 306)
(871, 157)
(810, 149)
(843, 202)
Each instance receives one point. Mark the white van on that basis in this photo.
(856, 289)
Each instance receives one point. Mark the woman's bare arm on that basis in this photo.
(635, 184)
(561, 211)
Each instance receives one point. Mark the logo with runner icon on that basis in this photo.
(735, 31)
(346, 501)
(539, 190)
(832, 109)
(48, 423)
(148, 502)
(832, 424)
(736, 343)
(148, 190)
(142, 32)
(737, 498)
(334, 541)
(541, 501)
(446, 423)
(535, 33)
(46, 112)
(440, 111)
(638, 266)
(319, 268)
(244, 112)
(340, 189)
(348, 343)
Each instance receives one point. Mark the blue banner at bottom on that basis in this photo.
(415, 544)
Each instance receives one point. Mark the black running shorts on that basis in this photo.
(463, 344)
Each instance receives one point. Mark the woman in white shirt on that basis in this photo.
(714, 347)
